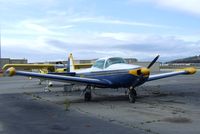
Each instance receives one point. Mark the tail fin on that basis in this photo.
(70, 65)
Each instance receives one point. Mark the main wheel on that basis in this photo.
(87, 96)
(132, 96)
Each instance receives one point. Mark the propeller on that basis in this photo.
(145, 71)
(153, 61)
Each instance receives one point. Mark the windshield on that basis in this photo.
(99, 64)
(111, 61)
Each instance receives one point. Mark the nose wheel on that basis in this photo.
(132, 95)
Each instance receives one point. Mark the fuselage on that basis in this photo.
(113, 70)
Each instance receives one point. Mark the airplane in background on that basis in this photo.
(41, 68)
(109, 72)
(46, 68)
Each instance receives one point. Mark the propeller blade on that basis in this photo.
(154, 60)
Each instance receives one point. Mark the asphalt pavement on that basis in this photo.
(21, 113)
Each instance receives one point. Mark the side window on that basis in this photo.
(99, 64)
(112, 61)
(107, 63)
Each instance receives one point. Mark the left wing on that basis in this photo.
(68, 79)
(170, 74)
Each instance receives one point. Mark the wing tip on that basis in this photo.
(10, 71)
(190, 70)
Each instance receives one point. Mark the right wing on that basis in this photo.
(68, 79)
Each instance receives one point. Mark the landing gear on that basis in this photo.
(88, 94)
(132, 95)
(40, 82)
(47, 89)
(48, 85)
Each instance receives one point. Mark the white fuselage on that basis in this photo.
(97, 67)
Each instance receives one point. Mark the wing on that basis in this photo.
(170, 74)
(68, 79)
(29, 66)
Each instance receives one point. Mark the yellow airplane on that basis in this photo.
(46, 67)
(108, 72)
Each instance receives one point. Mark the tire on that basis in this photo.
(134, 92)
(88, 96)
(132, 96)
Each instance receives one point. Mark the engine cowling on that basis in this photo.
(142, 71)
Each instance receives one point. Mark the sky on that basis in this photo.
(48, 30)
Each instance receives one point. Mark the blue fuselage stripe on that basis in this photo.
(110, 78)
(117, 78)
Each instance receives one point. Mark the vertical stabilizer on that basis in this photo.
(70, 65)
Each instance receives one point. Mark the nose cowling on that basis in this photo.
(145, 71)
(140, 72)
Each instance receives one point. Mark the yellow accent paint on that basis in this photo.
(29, 66)
(11, 71)
(133, 72)
(145, 71)
(137, 72)
(191, 70)
(60, 70)
(43, 71)
(79, 66)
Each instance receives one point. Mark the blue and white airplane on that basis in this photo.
(110, 72)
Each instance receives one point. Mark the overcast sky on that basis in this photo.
(44, 30)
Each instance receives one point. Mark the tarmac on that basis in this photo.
(166, 106)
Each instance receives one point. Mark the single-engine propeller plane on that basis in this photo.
(110, 72)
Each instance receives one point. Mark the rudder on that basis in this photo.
(70, 65)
